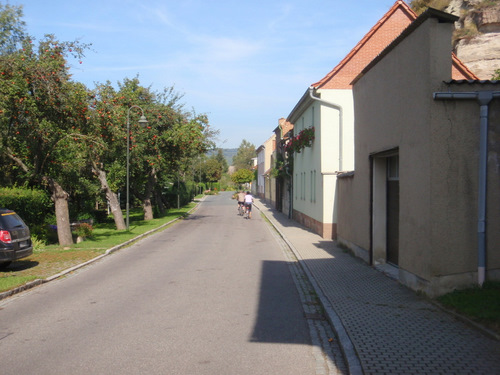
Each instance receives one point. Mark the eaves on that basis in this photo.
(297, 111)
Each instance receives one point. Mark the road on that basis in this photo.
(212, 294)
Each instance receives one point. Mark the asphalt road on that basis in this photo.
(213, 294)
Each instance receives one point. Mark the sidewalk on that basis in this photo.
(384, 327)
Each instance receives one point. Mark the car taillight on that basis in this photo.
(5, 236)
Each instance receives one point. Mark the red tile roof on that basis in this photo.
(388, 28)
(460, 71)
(380, 35)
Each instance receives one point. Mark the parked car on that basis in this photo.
(15, 238)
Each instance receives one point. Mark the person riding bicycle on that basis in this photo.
(248, 203)
(241, 199)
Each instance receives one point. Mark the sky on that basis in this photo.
(245, 64)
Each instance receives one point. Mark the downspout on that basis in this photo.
(341, 124)
(484, 98)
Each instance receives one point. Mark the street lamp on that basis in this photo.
(142, 121)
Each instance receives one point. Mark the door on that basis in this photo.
(393, 210)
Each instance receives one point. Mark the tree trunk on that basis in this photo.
(112, 198)
(60, 198)
(159, 202)
(146, 202)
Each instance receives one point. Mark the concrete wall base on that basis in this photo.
(358, 251)
(325, 230)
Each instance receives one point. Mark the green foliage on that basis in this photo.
(12, 28)
(31, 204)
(53, 129)
(212, 170)
(419, 6)
(479, 303)
(83, 230)
(242, 176)
(38, 243)
(468, 32)
(244, 156)
(496, 75)
(219, 156)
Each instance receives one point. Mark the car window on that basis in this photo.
(11, 220)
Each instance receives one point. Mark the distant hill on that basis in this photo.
(228, 153)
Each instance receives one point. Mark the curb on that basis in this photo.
(348, 350)
(38, 282)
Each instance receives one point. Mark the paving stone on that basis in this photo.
(392, 329)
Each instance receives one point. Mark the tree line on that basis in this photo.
(59, 135)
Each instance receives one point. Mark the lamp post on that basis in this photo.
(142, 121)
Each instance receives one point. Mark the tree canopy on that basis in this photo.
(58, 134)
(244, 156)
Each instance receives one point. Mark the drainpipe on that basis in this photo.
(341, 125)
(484, 98)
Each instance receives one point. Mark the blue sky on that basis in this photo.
(243, 63)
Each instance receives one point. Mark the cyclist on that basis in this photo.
(248, 203)
(241, 199)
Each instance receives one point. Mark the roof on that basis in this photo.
(473, 81)
(399, 7)
(429, 13)
(460, 70)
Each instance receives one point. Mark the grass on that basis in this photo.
(481, 305)
(53, 259)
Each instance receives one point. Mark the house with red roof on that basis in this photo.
(326, 108)
(422, 201)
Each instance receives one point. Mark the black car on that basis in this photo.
(15, 238)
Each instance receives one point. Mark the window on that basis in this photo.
(311, 184)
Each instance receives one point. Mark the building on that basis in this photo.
(415, 204)
(327, 106)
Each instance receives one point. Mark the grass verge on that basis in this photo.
(481, 305)
(54, 259)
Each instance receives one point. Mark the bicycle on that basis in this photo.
(246, 214)
(241, 209)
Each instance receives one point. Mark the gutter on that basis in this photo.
(484, 98)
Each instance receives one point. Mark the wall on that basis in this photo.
(437, 145)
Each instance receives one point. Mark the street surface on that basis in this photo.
(212, 294)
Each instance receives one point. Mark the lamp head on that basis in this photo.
(143, 121)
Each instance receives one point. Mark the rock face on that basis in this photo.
(478, 35)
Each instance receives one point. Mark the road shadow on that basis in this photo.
(280, 317)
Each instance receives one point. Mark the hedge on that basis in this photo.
(31, 204)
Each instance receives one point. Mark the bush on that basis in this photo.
(38, 244)
(83, 230)
(32, 205)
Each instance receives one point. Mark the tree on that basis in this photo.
(242, 176)
(212, 170)
(12, 28)
(244, 156)
(106, 123)
(42, 114)
(219, 156)
(496, 75)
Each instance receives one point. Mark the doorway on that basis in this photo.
(385, 208)
(393, 210)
